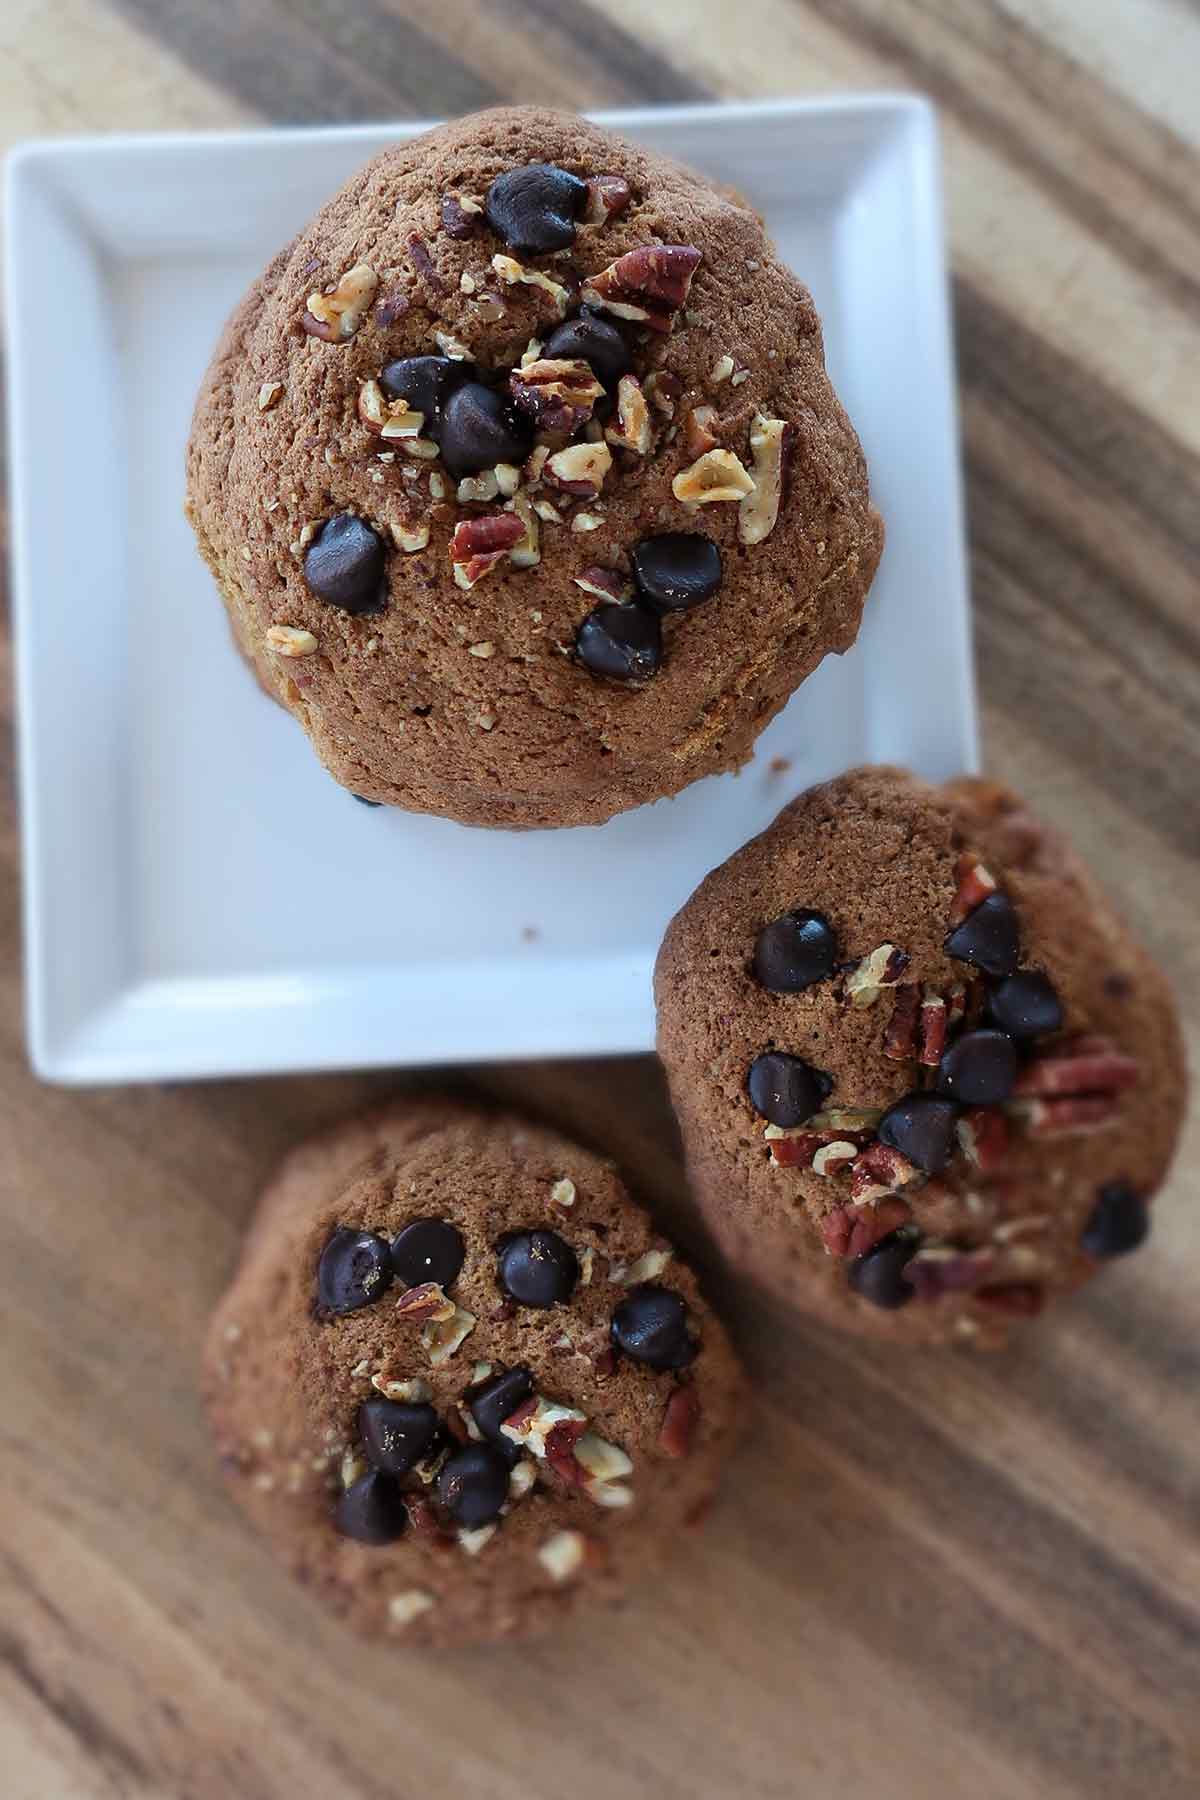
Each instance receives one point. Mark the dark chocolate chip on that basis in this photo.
(343, 566)
(371, 1510)
(534, 209)
(497, 1400)
(472, 1485)
(355, 1270)
(795, 950)
(1118, 1223)
(395, 1436)
(785, 1089)
(478, 430)
(363, 801)
(1026, 1005)
(593, 341)
(921, 1127)
(537, 1268)
(428, 1250)
(426, 383)
(878, 1275)
(650, 1325)
(621, 641)
(979, 1068)
(676, 570)
(989, 937)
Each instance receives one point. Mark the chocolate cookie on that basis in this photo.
(522, 480)
(926, 1080)
(458, 1381)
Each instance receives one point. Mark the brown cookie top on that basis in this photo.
(461, 1381)
(909, 1038)
(525, 485)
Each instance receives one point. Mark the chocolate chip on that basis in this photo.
(473, 1485)
(428, 1250)
(395, 1436)
(621, 641)
(343, 566)
(1118, 1223)
(878, 1275)
(537, 1268)
(426, 383)
(979, 1068)
(534, 209)
(593, 341)
(355, 1270)
(784, 1089)
(650, 1325)
(795, 950)
(371, 1510)
(1026, 1005)
(497, 1400)
(363, 801)
(989, 937)
(676, 570)
(921, 1127)
(478, 430)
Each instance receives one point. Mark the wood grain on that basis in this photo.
(926, 1575)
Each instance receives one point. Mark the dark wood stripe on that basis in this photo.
(901, 32)
(635, 70)
(304, 63)
(91, 1732)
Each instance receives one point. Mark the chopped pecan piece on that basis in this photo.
(679, 1422)
(460, 215)
(427, 1301)
(881, 969)
(664, 392)
(423, 263)
(605, 584)
(515, 274)
(932, 1029)
(939, 1269)
(1023, 1299)
(880, 1170)
(697, 434)
(479, 544)
(579, 470)
(975, 883)
(392, 419)
(901, 1039)
(337, 314)
(631, 427)
(983, 1134)
(713, 477)
(759, 511)
(831, 1158)
(1067, 1116)
(1089, 1065)
(648, 285)
(606, 196)
(557, 395)
(854, 1229)
(526, 552)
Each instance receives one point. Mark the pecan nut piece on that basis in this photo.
(460, 215)
(648, 285)
(879, 1170)
(713, 477)
(881, 969)
(901, 1038)
(515, 274)
(759, 511)
(679, 1422)
(419, 1304)
(607, 195)
(387, 418)
(579, 470)
(1089, 1065)
(697, 431)
(558, 395)
(983, 1134)
(423, 263)
(631, 428)
(337, 314)
(975, 883)
(605, 584)
(479, 544)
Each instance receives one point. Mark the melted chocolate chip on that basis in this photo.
(878, 1275)
(497, 1400)
(478, 430)
(979, 1068)
(921, 1127)
(1117, 1224)
(537, 1268)
(795, 950)
(472, 1485)
(784, 1089)
(344, 564)
(650, 1325)
(621, 641)
(355, 1270)
(593, 341)
(989, 937)
(1026, 1005)
(676, 570)
(426, 383)
(371, 1510)
(534, 209)
(428, 1250)
(395, 1436)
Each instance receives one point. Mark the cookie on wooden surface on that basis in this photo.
(927, 1082)
(458, 1381)
(522, 479)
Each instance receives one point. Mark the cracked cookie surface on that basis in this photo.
(433, 567)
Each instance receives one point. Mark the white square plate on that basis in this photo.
(200, 898)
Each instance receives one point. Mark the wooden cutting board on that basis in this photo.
(927, 1575)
